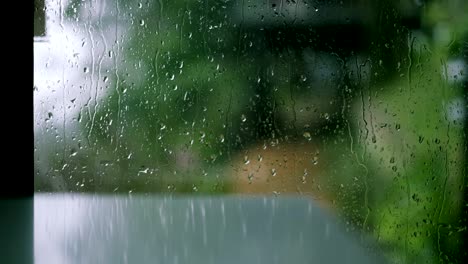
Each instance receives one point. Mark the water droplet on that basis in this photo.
(85, 70)
(259, 158)
(250, 177)
(213, 157)
(315, 161)
(73, 152)
(421, 139)
(397, 127)
(106, 79)
(144, 171)
(273, 172)
(142, 22)
(392, 160)
(246, 160)
(307, 135)
(243, 118)
(140, 5)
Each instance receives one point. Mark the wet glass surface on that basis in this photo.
(358, 105)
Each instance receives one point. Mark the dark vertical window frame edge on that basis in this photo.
(17, 188)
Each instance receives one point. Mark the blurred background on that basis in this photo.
(358, 104)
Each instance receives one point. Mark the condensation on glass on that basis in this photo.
(359, 105)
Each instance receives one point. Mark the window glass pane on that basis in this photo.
(358, 105)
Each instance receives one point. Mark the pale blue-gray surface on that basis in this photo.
(156, 229)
